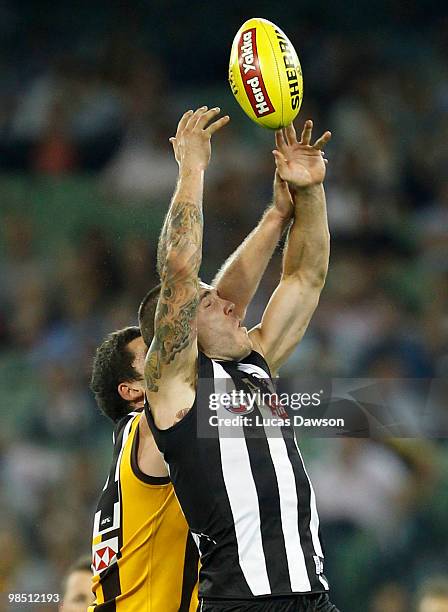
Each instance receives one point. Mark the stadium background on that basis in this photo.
(89, 94)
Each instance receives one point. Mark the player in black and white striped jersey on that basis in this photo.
(245, 492)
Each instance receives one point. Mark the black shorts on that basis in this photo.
(299, 603)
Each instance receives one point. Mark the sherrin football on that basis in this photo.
(265, 74)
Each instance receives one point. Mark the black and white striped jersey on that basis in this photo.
(244, 490)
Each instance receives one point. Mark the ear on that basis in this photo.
(130, 392)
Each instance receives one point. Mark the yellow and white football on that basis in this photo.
(265, 74)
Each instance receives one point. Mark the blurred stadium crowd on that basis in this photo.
(86, 173)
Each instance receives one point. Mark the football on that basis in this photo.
(265, 75)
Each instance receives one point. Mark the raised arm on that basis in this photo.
(306, 254)
(238, 279)
(170, 368)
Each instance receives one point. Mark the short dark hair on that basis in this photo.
(147, 313)
(112, 365)
(82, 564)
(436, 587)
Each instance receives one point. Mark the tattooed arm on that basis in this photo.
(170, 368)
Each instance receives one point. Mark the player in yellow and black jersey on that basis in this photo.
(143, 556)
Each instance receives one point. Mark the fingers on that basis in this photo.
(306, 132)
(280, 159)
(183, 122)
(277, 177)
(181, 126)
(322, 141)
(201, 117)
(217, 125)
(280, 142)
(193, 118)
(279, 183)
(323, 157)
(281, 168)
(175, 144)
(206, 116)
(291, 134)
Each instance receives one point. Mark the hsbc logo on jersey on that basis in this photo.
(105, 554)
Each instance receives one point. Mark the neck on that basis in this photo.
(218, 356)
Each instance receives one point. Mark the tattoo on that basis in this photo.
(175, 326)
(152, 371)
(185, 226)
(180, 415)
(161, 249)
(174, 317)
(181, 220)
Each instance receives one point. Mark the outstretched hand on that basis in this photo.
(300, 163)
(192, 141)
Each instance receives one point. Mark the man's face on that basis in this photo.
(133, 391)
(220, 334)
(78, 592)
(139, 349)
(433, 604)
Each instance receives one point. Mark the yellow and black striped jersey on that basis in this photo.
(143, 556)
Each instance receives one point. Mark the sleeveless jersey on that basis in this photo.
(243, 489)
(144, 558)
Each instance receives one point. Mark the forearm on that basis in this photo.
(180, 242)
(180, 253)
(172, 355)
(307, 249)
(240, 275)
